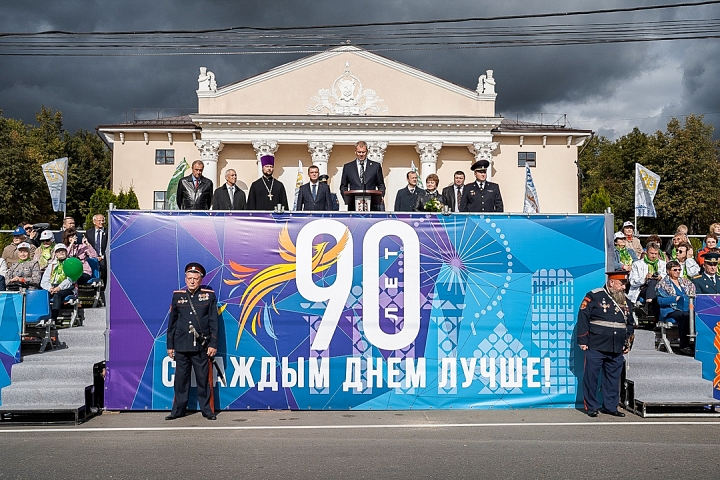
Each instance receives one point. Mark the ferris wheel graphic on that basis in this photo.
(466, 257)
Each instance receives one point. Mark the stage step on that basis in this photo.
(665, 384)
(57, 385)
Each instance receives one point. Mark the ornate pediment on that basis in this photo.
(347, 96)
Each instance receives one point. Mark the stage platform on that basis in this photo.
(58, 386)
(663, 384)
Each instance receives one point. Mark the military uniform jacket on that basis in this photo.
(602, 325)
(475, 199)
(181, 316)
(704, 284)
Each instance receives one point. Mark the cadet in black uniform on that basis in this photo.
(196, 307)
(481, 195)
(708, 281)
(604, 330)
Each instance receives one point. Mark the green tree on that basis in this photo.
(597, 202)
(99, 203)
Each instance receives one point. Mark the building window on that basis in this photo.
(164, 157)
(159, 201)
(526, 158)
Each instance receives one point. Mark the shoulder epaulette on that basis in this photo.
(597, 290)
(207, 290)
(179, 291)
(697, 276)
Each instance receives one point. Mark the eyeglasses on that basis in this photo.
(676, 269)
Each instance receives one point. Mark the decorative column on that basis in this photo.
(209, 150)
(376, 151)
(320, 154)
(428, 152)
(263, 147)
(483, 151)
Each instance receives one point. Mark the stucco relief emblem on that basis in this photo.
(347, 96)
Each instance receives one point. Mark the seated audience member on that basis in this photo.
(679, 237)
(24, 273)
(645, 275)
(624, 257)
(335, 203)
(673, 296)
(684, 255)
(82, 252)
(632, 242)
(655, 238)
(44, 253)
(55, 281)
(715, 229)
(10, 253)
(710, 243)
(3, 274)
(32, 235)
(406, 196)
(708, 281)
(430, 193)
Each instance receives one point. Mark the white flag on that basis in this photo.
(646, 185)
(298, 183)
(56, 177)
(413, 169)
(531, 204)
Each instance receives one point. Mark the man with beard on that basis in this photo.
(266, 192)
(605, 332)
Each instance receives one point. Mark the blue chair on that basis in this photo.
(38, 319)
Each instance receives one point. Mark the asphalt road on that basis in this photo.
(365, 445)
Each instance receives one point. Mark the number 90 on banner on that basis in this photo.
(336, 295)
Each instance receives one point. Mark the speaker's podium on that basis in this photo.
(363, 200)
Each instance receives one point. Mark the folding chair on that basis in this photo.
(94, 285)
(38, 318)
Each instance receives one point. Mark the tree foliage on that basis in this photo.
(102, 198)
(685, 157)
(24, 148)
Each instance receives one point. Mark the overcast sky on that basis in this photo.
(607, 87)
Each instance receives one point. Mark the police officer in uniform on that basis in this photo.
(481, 195)
(605, 332)
(194, 307)
(708, 281)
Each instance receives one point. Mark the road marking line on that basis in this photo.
(357, 427)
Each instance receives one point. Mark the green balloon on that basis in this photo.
(73, 268)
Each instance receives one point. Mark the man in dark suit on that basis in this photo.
(98, 239)
(361, 174)
(195, 191)
(68, 222)
(407, 196)
(314, 195)
(481, 195)
(453, 193)
(708, 281)
(229, 196)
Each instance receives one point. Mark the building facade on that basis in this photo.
(315, 109)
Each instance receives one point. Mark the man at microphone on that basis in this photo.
(361, 174)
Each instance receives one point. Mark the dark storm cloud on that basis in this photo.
(607, 88)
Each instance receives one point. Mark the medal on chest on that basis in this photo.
(604, 305)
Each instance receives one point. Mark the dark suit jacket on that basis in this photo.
(190, 198)
(476, 200)
(405, 201)
(350, 179)
(322, 202)
(59, 237)
(90, 234)
(221, 199)
(448, 194)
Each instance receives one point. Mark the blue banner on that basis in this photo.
(10, 330)
(353, 311)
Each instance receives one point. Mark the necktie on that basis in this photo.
(196, 183)
(231, 190)
(362, 172)
(314, 191)
(482, 186)
(98, 241)
(458, 196)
